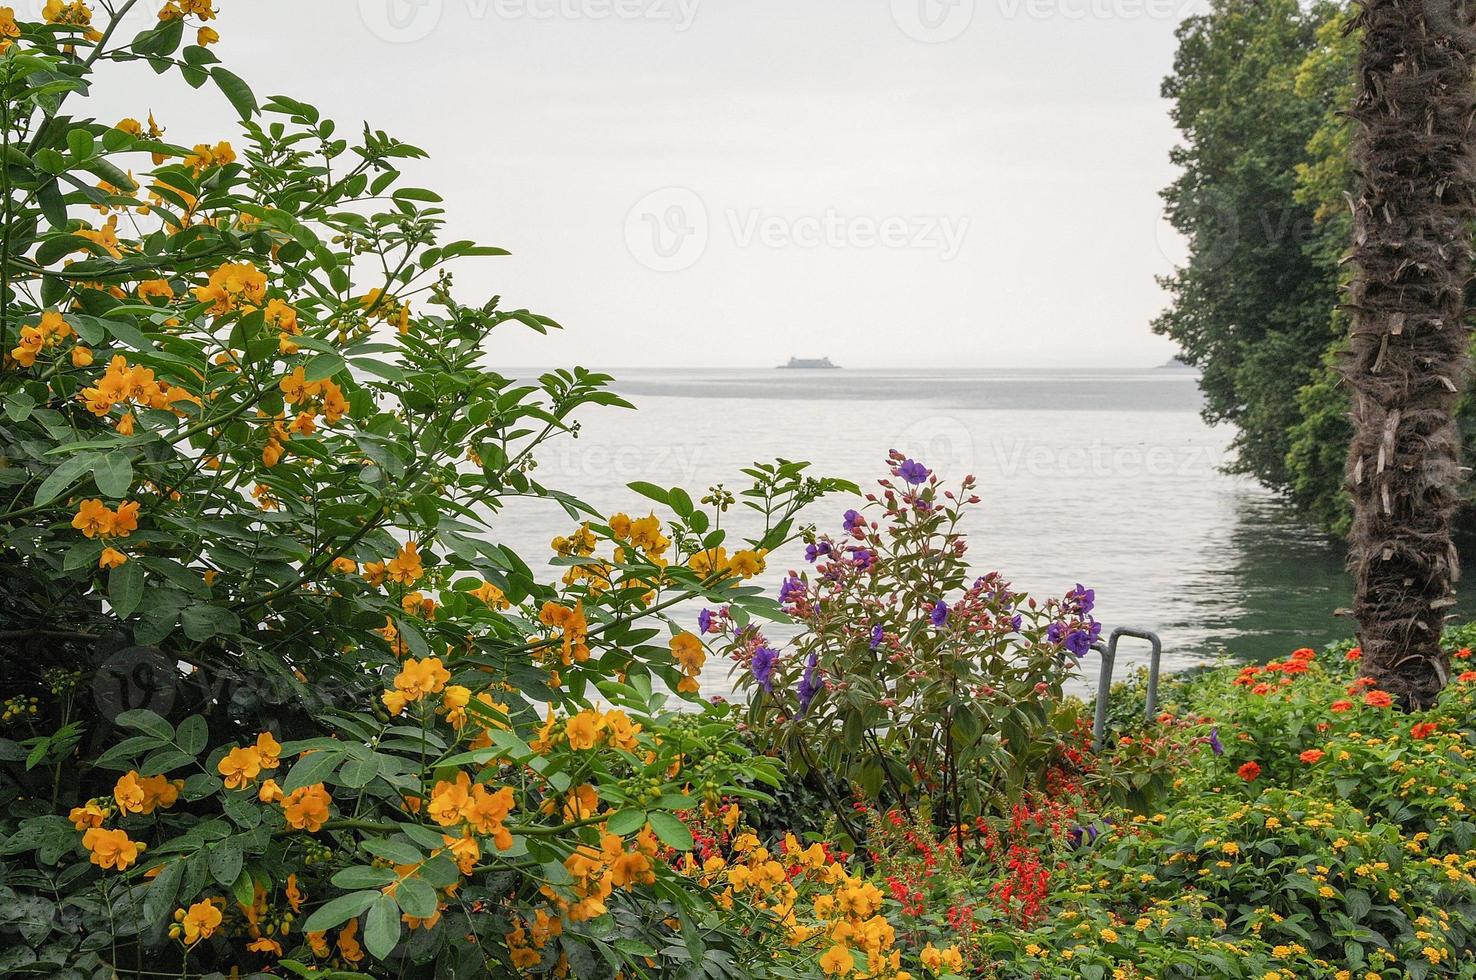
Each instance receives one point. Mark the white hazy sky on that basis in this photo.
(956, 183)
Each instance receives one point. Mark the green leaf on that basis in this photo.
(144, 720)
(417, 898)
(113, 474)
(125, 588)
(192, 734)
(363, 876)
(159, 898)
(226, 860)
(310, 769)
(236, 90)
(671, 830)
(382, 928)
(64, 476)
(338, 911)
(323, 366)
(627, 822)
(80, 142)
(652, 491)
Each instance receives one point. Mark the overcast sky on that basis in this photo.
(959, 183)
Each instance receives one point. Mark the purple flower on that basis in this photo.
(854, 520)
(877, 633)
(1215, 741)
(1085, 598)
(704, 621)
(764, 659)
(816, 550)
(862, 558)
(1055, 632)
(1016, 622)
(913, 472)
(809, 684)
(790, 587)
(940, 613)
(1080, 642)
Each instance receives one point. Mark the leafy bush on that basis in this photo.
(277, 698)
(921, 685)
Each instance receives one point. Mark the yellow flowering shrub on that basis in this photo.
(285, 703)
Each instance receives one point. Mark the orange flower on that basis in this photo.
(1378, 699)
(306, 808)
(110, 848)
(1423, 730)
(1354, 654)
(405, 568)
(1304, 655)
(1312, 755)
(1339, 707)
(93, 519)
(239, 766)
(200, 922)
(1467, 676)
(111, 558)
(1249, 771)
(1464, 653)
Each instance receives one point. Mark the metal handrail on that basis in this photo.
(1108, 651)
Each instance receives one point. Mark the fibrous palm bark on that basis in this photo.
(1414, 203)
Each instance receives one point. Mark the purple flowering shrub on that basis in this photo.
(923, 685)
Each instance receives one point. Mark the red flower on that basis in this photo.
(1423, 730)
(1304, 654)
(1249, 771)
(1464, 653)
(1378, 699)
(1467, 677)
(1261, 689)
(1312, 755)
(1341, 706)
(1354, 654)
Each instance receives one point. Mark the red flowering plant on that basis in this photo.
(918, 682)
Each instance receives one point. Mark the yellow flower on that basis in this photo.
(418, 678)
(405, 568)
(491, 595)
(230, 285)
(239, 766)
(110, 848)
(583, 730)
(87, 815)
(306, 808)
(200, 922)
(837, 961)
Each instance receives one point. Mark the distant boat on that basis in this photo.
(1177, 364)
(809, 363)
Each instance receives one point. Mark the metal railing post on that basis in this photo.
(1104, 681)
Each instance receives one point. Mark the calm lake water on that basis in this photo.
(1106, 477)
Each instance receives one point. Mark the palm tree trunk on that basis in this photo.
(1414, 204)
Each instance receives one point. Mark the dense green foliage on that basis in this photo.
(1259, 94)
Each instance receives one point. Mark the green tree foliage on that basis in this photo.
(1260, 92)
(1250, 308)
